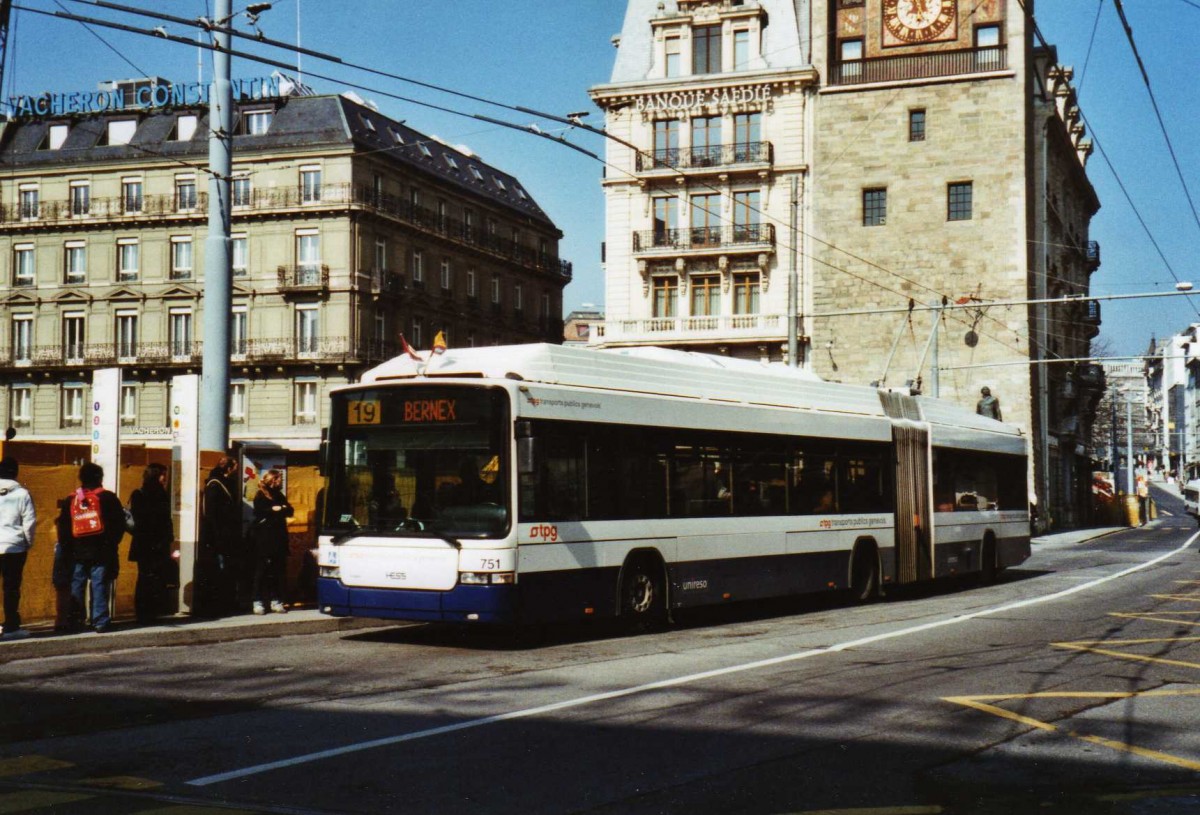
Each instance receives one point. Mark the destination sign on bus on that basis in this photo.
(430, 410)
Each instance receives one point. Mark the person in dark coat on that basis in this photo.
(271, 511)
(153, 534)
(68, 616)
(220, 532)
(95, 556)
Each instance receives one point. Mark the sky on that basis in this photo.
(546, 54)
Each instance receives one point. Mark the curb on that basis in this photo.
(183, 631)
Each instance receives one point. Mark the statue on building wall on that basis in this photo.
(988, 405)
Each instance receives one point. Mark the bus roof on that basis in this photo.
(685, 374)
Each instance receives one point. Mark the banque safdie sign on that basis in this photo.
(679, 101)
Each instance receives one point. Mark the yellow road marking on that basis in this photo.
(121, 782)
(1192, 598)
(23, 765)
(1142, 795)
(920, 810)
(188, 809)
(1091, 647)
(1188, 582)
(1156, 619)
(29, 800)
(1143, 641)
(977, 703)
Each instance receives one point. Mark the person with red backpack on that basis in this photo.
(97, 526)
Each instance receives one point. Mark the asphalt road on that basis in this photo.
(1070, 686)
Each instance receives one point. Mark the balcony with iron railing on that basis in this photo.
(91, 355)
(1090, 317)
(121, 208)
(189, 353)
(749, 237)
(282, 200)
(731, 327)
(719, 157)
(386, 281)
(303, 277)
(920, 66)
(279, 200)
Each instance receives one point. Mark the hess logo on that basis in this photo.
(545, 532)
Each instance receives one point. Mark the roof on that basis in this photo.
(781, 46)
(665, 371)
(299, 122)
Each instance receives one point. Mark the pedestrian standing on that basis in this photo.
(17, 519)
(271, 511)
(97, 527)
(220, 533)
(68, 616)
(150, 549)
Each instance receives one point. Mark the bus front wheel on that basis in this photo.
(643, 598)
(864, 575)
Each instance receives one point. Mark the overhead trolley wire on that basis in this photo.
(1157, 113)
(572, 121)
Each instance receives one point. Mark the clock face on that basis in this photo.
(913, 21)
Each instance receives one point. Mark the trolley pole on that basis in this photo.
(218, 284)
(793, 304)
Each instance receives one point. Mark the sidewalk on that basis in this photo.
(183, 630)
(1076, 535)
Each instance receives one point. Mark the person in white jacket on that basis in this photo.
(17, 519)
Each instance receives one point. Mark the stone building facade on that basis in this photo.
(707, 107)
(350, 229)
(939, 160)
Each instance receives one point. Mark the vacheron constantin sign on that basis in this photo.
(911, 22)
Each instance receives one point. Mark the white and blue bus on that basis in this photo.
(538, 483)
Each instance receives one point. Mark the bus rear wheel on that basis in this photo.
(643, 598)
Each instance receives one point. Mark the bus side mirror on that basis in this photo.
(526, 455)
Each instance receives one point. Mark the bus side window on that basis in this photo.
(560, 478)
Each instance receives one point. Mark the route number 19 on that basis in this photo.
(364, 412)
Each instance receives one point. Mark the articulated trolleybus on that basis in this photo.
(536, 483)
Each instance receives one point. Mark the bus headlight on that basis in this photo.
(485, 578)
(331, 571)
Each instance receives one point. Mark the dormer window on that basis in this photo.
(185, 127)
(424, 148)
(256, 122)
(396, 137)
(450, 162)
(56, 135)
(121, 131)
(499, 184)
(475, 172)
(367, 123)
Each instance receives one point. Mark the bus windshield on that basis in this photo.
(419, 461)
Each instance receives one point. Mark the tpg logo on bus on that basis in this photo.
(546, 532)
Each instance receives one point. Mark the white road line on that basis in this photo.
(469, 724)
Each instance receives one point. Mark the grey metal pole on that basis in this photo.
(1129, 444)
(218, 285)
(1113, 457)
(793, 341)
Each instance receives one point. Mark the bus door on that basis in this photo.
(914, 511)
